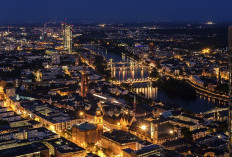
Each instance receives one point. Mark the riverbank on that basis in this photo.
(174, 87)
(156, 94)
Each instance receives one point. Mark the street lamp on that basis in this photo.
(81, 113)
(143, 127)
(171, 131)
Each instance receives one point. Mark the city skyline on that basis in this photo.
(137, 78)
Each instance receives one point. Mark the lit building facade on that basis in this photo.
(117, 140)
(84, 134)
(67, 37)
(84, 85)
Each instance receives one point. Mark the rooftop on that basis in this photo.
(86, 126)
(65, 146)
(152, 151)
(121, 137)
(23, 150)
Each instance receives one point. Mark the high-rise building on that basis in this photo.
(67, 37)
(84, 84)
(230, 88)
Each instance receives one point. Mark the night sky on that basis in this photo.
(115, 10)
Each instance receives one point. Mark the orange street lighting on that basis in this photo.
(81, 113)
(143, 127)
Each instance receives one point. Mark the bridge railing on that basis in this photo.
(135, 80)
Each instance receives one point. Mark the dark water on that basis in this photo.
(200, 104)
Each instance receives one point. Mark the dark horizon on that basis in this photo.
(26, 11)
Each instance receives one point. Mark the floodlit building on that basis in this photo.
(60, 147)
(85, 133)
(117, 140)
(67, 37)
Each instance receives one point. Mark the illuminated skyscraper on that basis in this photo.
(230, 88)
(67, 37)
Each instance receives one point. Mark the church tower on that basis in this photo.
(84, 84)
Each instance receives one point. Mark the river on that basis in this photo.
(200, 104)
